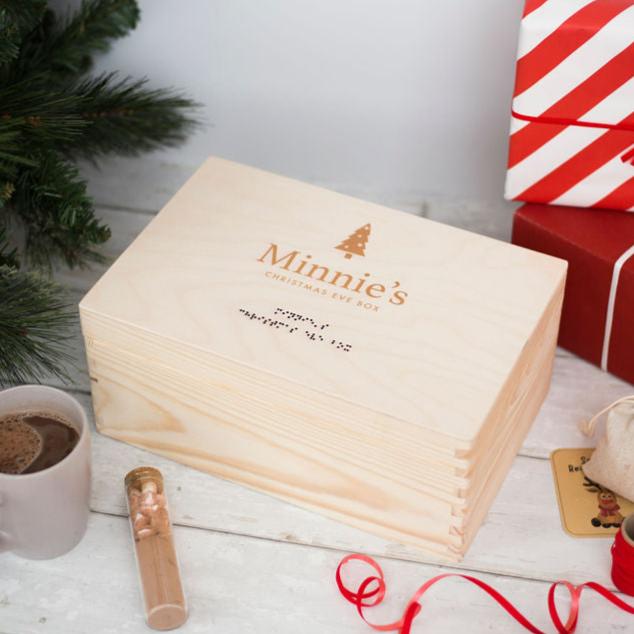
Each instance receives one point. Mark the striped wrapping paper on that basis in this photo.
(572, 126)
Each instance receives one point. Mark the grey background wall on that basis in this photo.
(401, 101)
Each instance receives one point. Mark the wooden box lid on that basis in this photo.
(402, 315)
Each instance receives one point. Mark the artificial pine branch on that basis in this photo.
(35, 325)
(11, 154)
(65, 47)
(17, 18)
(44, 114)
(57, 214)
(128, 118)
(49, 115)
(8, 253)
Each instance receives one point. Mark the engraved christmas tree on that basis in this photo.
(355, 243)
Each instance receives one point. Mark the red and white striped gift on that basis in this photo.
(572, 126)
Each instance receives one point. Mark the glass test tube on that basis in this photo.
(159, 573)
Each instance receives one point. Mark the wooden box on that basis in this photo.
(377, 367)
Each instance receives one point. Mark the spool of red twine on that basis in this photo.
(623, 557)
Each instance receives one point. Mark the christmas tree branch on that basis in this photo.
(49, 114)
(65, 47)
(43, 114)
(11, 157)
(17, 18)
(8, 253)
(127, 118)
(57, 214)
(35, 324)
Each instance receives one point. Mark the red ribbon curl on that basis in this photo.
(372, 590)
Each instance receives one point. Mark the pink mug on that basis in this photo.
(44, 514)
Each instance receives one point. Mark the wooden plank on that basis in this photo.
(238, 585)
(521, 536)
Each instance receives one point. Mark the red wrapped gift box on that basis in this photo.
(572, 126)
(597, 320)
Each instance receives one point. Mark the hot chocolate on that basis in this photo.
(33, 441)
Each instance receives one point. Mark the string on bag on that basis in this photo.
(588, 426)
(372, 590)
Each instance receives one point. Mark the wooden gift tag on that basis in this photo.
(587, 509)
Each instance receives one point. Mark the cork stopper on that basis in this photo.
(138, 476)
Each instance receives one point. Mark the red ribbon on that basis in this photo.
(626, 127)
(372, 591)
(628, 157)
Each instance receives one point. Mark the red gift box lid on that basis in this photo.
(592, 241)
(605, 234)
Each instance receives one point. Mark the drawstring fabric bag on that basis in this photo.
(612, 462)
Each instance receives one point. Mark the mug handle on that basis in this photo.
(5, 538)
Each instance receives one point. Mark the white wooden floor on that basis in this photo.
(252, 564)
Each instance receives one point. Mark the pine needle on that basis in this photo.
(36, 322)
